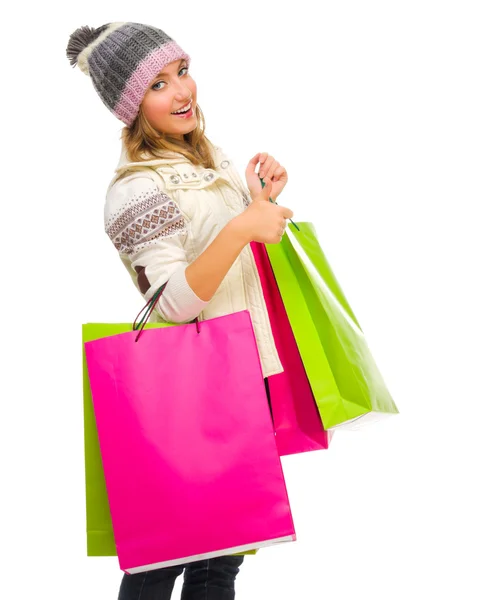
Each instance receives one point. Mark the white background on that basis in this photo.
(373, 107)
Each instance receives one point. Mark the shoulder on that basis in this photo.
(129, 184)
(137, 210)
(219, 154)
(131, 193)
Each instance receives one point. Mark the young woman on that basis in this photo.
(179, 214)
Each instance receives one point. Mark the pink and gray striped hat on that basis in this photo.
(122, 59)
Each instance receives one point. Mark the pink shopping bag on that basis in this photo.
(297, 423)
(188, 449)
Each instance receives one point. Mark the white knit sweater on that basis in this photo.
(161, 215)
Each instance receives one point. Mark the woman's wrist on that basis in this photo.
(239, 230)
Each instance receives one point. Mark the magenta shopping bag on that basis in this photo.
(189, 454)
(297, 423)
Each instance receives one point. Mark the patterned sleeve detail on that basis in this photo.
(142, 219)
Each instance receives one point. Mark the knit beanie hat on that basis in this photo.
(122, 58)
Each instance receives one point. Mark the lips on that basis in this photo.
(182, 107)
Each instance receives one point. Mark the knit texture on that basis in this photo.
(121, 59)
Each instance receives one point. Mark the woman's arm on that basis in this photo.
(158, 256)
(261, 221)
(154, 255)
(205, 274)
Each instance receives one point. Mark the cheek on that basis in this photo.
(155, 108)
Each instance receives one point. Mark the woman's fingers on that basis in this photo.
(265, 164)
(251, 165)
(268, 166)
(272, 168)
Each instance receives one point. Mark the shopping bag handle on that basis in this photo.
(271, 200)
(150, 307)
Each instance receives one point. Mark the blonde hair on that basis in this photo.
(143, 142)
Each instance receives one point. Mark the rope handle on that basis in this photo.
(150, 307)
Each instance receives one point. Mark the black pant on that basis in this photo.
(210, 579)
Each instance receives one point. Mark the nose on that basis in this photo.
(183, 92)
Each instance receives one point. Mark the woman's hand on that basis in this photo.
(269, 167)
(262, 221)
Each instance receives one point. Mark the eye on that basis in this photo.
(161, 81)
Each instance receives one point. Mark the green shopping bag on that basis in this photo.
(100, 536)
(346, 383)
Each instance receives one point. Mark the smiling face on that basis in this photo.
(170, 91)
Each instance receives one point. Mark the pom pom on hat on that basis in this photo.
(79, 40)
